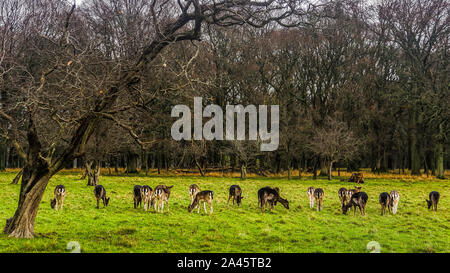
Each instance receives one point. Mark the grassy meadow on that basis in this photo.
(121, 228)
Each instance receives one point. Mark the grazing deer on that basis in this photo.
(60, 194)
(350, 192)
(357, 178)
(161, 194)
(359, 200)
(137, 196)
(146, 196)
(310, 193)
(394, 198)
(384, 200)
(193, 190)
(342, 196)
(100, 193)
(236, 193)
(434, 199)
(319, 195)
(205, 197)
(268, 195)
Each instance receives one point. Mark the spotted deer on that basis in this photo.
(310, 193)
(342, 196)
(268, 195)
(434, 199)
(358, 199)
(350, 192)
(205, 197)
(161, 195)
(394, 198)
(193, 190)
(59, 194)
(235, 192)
(137, 196)
(384, 200)
(146, 196)
(100, 193)
(319, 196)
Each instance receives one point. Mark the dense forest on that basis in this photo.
(358, 85)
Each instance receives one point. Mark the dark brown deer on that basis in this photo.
(434, 199)
(319, 196)
(100, 193)
(235, 192)
(384, 200)
(342, 196)
(59, 194)
(359, 200)
(161, 195)
(356, 178)
(268, 195)
(137, 196)
(146, 196)
(310, 193)
(205, 197)
(193, 190)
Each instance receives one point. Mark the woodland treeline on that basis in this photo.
(359, 85)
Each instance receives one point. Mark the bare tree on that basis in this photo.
(334, 142)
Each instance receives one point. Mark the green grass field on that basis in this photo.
(121, 228)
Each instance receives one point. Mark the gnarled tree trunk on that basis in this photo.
(35, 177)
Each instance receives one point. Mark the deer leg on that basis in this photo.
(98, 203)
(211, 207)
(168, 208)
(228, 202)
(198, 207)
(62, 203)
(204, 206)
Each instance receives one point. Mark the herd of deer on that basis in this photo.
(266, 196)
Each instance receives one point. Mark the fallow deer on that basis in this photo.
(146, 196)
(268, 195)
(384, 200)
(137, 195)
(359, 200)
(350, 192)
(235, 192)
(205, 197)
(319, 195)
(193, 190)
(100, 193)
(342, 196)
(394, 198)
(161, 195)
(310, 193)
(434, 199)
(60, 194)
